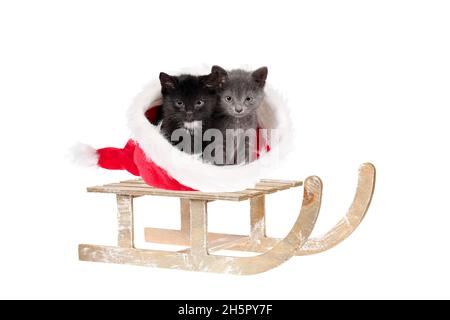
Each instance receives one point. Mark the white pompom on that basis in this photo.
(83, 155)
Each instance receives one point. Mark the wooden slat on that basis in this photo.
(133, 181)
(167, 236)
(252, 192)
(292, 183)
(249, 192)
(216, 241)
(275, 186)
(225, 243)
(138, 187)
(266, 189)
(128, 184)
(177, 237)
(262, 190)
(222, 244)
(144, 190)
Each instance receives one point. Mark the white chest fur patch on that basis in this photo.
(193, 125)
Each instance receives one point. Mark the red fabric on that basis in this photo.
(152, 114)
(154, 175)
(132, 158)
(266, 146)
(118, 159)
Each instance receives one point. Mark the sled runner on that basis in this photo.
(203, 247)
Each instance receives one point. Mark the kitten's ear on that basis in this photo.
(168, 83)
(215, 79)
(221, 73)
(260, 76)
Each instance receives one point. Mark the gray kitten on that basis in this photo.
(241, 95)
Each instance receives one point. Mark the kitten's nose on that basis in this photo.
(189, 115)
(239, 109)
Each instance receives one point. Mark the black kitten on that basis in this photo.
(188, 104)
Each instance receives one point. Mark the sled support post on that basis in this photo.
(202, 250)
(257, 218)
(125, 221)
(185, 217)
(199, 226)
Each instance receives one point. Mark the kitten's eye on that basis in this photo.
(199, 103)
(179, 103)
(228, 99)
(249, 99)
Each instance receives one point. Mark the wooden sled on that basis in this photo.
(202, 245)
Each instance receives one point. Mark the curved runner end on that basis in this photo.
(356, 213)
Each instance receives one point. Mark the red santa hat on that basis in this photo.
(148, 154)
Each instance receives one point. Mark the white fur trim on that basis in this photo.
(191, 171)
(83, 155)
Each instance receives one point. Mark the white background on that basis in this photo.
(365, 80)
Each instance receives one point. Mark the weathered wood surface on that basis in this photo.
(292, 183)
(140, 188)
(125, 221)
(201, 243)
(354, 216)
(185, 223)
(341, 231)
(198, 258)
(257, 219)
(199, 227)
